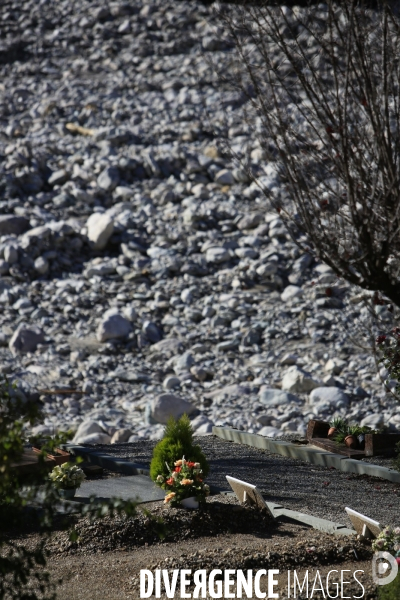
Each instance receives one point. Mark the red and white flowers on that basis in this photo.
(184, 481)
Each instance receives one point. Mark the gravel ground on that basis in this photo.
(301, 486)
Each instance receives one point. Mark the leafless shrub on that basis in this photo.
(322, 86)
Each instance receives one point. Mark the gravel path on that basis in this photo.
(315, 490)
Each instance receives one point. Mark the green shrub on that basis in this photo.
(176, 443)
(390, 591)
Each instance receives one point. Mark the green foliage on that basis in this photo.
(346, 429)
(339, 423)
(22, 576)
(177, 442)
(390, 591)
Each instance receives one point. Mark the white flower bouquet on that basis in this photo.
(67, 476)
(388, 541)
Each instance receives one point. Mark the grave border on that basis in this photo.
(312, 455)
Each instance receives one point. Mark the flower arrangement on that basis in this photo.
(184, 481)
(388, 541)
(67, 476)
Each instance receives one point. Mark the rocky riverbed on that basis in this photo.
(138, 264)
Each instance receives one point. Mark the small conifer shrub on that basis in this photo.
(177, 442)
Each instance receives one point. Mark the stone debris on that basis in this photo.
(26, 339)
(138, 263)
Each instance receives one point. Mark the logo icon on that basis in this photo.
(379, 569)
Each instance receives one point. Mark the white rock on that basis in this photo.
(289, 359)
(171, 383)
(334, 366)
(235, 390)
(375, 421)
(168, 347)
(121, 436)
(291, 292)
(201, 425)
(86, 428)
(330, 395)
(187, 296)
(217, 255)
(26, 339)
(224, 177)
(41, 265)
(205, 429)
(273, 397)
(329, 381)
(113, 326)
(250, 221)
(167, 405)
(269, 431)
(11, 254)
(100, 227)
(297, 381)
(130, 313)
(94, 438)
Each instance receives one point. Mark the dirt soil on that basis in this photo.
(115, 575)
(106, 561)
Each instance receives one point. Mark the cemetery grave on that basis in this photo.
(245, 536)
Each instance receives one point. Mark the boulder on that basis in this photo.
(121, 436)
(297, 381)
(250, 221)
(217, 255)
(95, 438)
(171, 382)
(202, 425)
(108, 179)
(167, 405)
(152, 332)
(224, 177)
(273, 397)
(269, 431)
(334, 366)
(291, 292)
(26, 339)
(375, 421)
(100, 227)
(113, 326)
(329, 395)
(169, 347)
(85, 429)
(236, 390)
(11, 224)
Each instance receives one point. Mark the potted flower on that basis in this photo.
(337, 425)
(352, 435)
(351, 439)
(67, 478)
(184, 484)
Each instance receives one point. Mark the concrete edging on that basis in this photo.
(311, 455)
